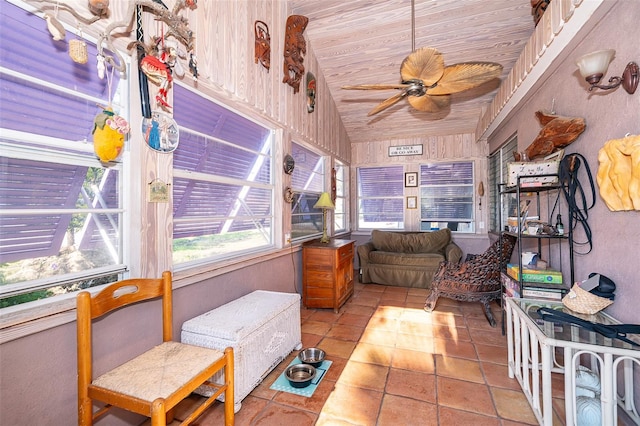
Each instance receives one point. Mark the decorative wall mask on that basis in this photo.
(557, 132)
(537, 9)
(262, 52)
(619, 173)
(295, 47)
(311, 92)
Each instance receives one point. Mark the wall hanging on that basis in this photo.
(311, 92)
(262, 52)
(295, 47)
(109, 129)
(161, 132)
(557, 132)
(619, 173)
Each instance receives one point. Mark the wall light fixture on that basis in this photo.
(594, 65)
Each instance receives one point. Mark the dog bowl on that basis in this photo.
(300, 375)
(312, 356)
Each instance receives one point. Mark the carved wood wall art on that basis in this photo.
(311, 92)
(537, 9)
(557, 132)
(619, 173)
(263, 44)
(295, 47)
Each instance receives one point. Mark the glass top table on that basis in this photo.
(571, 332)
(532, 348)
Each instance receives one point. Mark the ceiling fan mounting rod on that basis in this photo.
(413, 25)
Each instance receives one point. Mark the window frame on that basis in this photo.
(309, 195)
(54, 149)
(498, 173)
(267, 151)
(340, 214)
(467, 197)
(398, 199)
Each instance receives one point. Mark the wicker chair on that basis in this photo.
(475, 280)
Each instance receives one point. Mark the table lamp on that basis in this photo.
(324, 203)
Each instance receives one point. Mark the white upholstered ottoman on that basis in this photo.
(263, 327)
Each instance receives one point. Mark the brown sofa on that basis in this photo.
(406, 259)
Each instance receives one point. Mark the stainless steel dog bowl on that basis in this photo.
(312, 356)
(300, 375)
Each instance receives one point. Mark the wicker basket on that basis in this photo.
(583, 302)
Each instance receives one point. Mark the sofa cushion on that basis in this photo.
(415, 242)
(422, 260)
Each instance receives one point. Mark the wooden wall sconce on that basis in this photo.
(295, 47)
(263, 44)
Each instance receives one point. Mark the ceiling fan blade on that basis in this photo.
(387, 103)
(428, 103)
(465, 76)
(424, 64)
(376, 86)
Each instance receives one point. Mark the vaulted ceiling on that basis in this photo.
(365, 42)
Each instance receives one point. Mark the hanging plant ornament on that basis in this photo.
(108, 132)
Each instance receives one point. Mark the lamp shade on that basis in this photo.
(324, 202)
(595, 62)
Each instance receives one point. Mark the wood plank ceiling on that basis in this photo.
(365, 41)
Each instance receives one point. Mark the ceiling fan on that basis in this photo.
(427, 83)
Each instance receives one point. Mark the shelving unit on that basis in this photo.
(529, 289)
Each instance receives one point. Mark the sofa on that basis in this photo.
(405, 259)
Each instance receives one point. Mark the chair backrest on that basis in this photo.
(114, 296)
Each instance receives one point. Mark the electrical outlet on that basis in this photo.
(287, 238)
(481, 225)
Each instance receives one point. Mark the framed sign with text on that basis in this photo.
(396, 151)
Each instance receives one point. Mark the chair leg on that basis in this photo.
(158, 413)
(430, 304)
(229, 399)
(488, 314)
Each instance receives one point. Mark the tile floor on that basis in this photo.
(395, 364)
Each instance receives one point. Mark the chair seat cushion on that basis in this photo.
(159, 372)
(406, 259)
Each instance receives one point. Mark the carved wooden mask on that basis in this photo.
(295, 47)
(263, 44)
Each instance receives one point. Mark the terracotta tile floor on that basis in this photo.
(395, 364)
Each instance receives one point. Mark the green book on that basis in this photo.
(548, 276)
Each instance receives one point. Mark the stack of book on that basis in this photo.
(532, 275)
(531, 290)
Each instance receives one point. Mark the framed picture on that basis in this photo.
(411, 179)
(412, 202)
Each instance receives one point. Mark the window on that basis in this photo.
(61, 216)
(222, 186)
(381, 197)
(446, 196)
(498, 164)
(307, 182)
(340, 212)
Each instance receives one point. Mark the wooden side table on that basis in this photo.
(327, 273)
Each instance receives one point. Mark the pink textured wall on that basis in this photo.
(609, 115)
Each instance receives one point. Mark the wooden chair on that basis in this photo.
(153, 383)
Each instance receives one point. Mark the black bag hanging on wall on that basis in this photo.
(575, 194)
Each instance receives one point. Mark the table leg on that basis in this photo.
(569, 383)
(547, 408)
